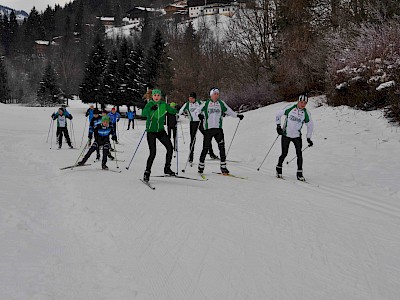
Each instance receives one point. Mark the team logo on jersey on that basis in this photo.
(294, 119)
(214, 110)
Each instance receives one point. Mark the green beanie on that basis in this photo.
(172, 104)
(106, 119)
(156, 91)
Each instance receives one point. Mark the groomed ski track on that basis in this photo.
(88, 234)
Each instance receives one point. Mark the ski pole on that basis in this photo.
(177, 151)
(51, 124)
(268, 153)
(116, 159)
(73, 131)
(191, 147)
(52, 133)
(83, 134)
(136, 150)
(84, 148)
(183, 136)
(288, 162)
(233, 137)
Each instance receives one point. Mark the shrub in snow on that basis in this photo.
(251, 96)
(364, 67)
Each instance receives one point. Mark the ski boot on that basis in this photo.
(146, 176)
(223, 168)
(70, 145)
(59, 146)
(300, 176)
(279, 172)
(97, 156)
(104, 167)
(200, 170)
(168, 171)
(81, 163)
(110, 156)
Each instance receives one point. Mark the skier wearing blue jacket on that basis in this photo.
(102, 134)
(90, 112)
(131, 115)
(114, 118)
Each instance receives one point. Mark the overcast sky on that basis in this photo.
(28, 4)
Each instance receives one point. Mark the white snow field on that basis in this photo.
(92, 234)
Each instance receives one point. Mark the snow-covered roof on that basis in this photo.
(40, 42)
(107, 19)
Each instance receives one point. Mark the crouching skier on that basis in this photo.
(102, 134)
(96, 121)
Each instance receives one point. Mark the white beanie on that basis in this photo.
(214, 91)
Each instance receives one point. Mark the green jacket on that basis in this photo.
(156, 118)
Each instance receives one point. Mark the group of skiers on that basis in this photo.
(205, 116)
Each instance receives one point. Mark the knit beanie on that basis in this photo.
(214, 91)
(105, 119)
(155, 92)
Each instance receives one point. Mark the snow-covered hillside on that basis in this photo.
(20, 14)
(92, 234)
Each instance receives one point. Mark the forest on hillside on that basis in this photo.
(270, 50)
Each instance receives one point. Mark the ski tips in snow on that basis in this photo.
(148, 184)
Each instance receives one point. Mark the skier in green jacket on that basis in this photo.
(155, 111)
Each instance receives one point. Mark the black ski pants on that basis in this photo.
(172, 133)
(285, 149)
(218, 135)
(133, 123)
(95, 147)
(152, 142)
(60, 132)
(194, 125)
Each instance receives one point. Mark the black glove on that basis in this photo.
(90, 136)
(240, 117)
(201, 117)
(114, 138)
(154, 107)
(279, 129)
(70, 117)
(310, 142)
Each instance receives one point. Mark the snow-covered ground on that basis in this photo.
(92, 234)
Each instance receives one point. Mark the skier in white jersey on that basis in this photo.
(296, 116)
(195, 123)
(211, 111)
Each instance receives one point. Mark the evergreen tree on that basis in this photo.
(123, 67)
(78, 25)
(5, 35)
(110, 86)
(48, 22)
(153, 60)
(5, 95)
(48, 92)
(92, 86)
(158, 70)
(137, 85)
(34, 28)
